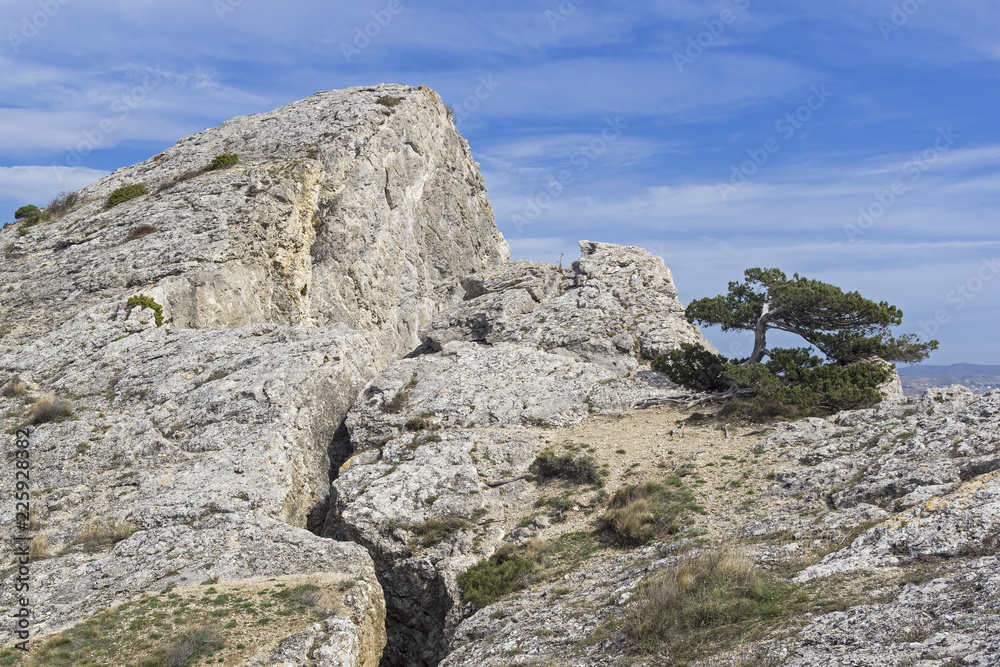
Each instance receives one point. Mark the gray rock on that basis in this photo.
(340, 210)
(619, 304)
(285, 283)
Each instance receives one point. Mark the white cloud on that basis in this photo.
(39, 185)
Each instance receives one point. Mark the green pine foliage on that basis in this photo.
(30, 213)
(223, 160)
(125, 193)
(851, 332)
(693, 366)
(844, 326)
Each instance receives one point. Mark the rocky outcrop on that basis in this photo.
(450, 436)
(342, 209)
(283, 285)
(617, 304)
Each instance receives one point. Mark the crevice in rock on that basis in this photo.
(417, 602)
(339, 451)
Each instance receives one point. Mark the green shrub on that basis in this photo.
(223, 160)
(489, 580)
(582, 470)
(794, 384)
(388, 101)
(638, 514)
(30, 213)
(142, 301)
(125, 193)
(694, 367)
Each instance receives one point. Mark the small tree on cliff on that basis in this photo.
(844, 326)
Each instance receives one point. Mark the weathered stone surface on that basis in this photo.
(952, 620)
(341, 209)
(286, 283)
(434, 436)
(170, 422)
(617, 304)
(223, 547)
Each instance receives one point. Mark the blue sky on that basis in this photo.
(720, 135)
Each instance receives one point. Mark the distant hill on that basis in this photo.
(953, 371)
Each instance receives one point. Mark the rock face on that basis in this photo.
(284, 283)
(341, 209)
(450, 436)
(616, 304)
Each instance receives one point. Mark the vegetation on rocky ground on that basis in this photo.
(851, 333)
(143, 301)
(179, 628)
(223, 160)
(639, 513)
(124, 194)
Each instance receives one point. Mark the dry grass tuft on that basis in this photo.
(38, 549)
(140, 231)
(101, 535)
(704, 599)
(13, 387)
(48, 408)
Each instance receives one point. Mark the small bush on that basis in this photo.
(223, 160)
(654, 510)
(192, 645)
(142, 301)
(125, 193)
(388, 101)
(141, 231)
(489, 580)
(30, 213)
(693, 366)
(62, 203)
(48, 408)
(582, 470)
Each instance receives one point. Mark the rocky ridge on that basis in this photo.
(283, 284)
(450, 435)
(270, 434)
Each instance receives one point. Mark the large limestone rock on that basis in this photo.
(341, 209)
(450, 435)
(616, 305)
(285, 284)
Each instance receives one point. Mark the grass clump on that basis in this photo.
(62, 203)
(577, 470)
(640, 513)
(396, 404)
(223, 160)
(140, 231)
(48, 408)
(517, 566)
(388, 101)
(705, 601)
(102, 535)
(13, 387)
(142, 301)
(489, 580)
(125, 193)
(434, 531)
